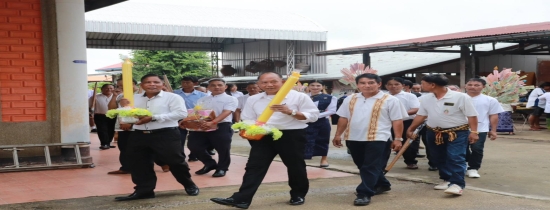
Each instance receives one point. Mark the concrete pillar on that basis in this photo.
(465, 65)
(366, 59)
(71, 39)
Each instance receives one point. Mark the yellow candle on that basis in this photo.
(281, 94)
(127, 83)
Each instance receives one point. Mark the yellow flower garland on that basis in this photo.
(252, 129)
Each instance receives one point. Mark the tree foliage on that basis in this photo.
(175, 64)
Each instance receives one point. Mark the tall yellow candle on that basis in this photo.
(127, 83)
(281, 94)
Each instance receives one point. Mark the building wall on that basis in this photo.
(23, 91)
(527, 63)
(47, 129)
(257, 50)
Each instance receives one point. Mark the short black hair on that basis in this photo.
(544, 84)
(217, 79)
(251, 83)
(436, 79)
(407, 83)
(318, 81)
(398, 79)
(133, 80)
(272, 72)
(190, 78)
(368, 76)
(415, 84)
(151, 75)
(482, 81)
(106, 85)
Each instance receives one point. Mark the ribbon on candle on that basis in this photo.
(127, 83)
(279, 97)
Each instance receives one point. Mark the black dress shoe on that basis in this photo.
(433, 168)
(136, 196)
(104, 147)
(211, 152)
(205, 170)
(296, 201)
(219, 173)
(112, 146)
(230, 202)
(193, 159)
(192, 191)
(382, 189)
(361, 201)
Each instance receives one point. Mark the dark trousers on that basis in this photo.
(105, 128)
(183, 133)
(450, 157)
(318, 138)
(163, 145)
(290, 147)
(369, 157)
(123, 138)
(220, 139)
(474, 153)
(422, 134)
(410, 154)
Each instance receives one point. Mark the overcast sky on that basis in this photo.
(359, 22)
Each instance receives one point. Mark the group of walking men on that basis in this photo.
(371, 122)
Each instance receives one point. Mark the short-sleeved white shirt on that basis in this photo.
(391, 110)
(485, 106)
(534, 96)
(546, 98)
(410, 101)
(219, 103)
(242, 101)
(450, 111)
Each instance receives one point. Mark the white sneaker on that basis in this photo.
(442, 186)
(454, 189)
(472, 173)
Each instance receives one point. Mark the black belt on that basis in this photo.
(156, 130)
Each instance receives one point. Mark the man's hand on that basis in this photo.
(143, 120)
(337, 141)
(396, 145)
(473, 138)
(410, 134)
(181, 125)
(126, 127)
(492, 135)
(208, 125)
(281, 108)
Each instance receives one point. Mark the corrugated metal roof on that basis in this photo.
(180, 20)
(498, 31)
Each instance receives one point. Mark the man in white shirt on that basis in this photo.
(105, 126)
(252, 89)
(367, 119)
(537, 105)
(223, 105)
(452, 124)
(487, 108)
(232, 91)
(291, 117)
(157, 136)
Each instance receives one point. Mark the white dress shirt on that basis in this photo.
(219, 103)
(450, 111)
(535, 94)
(485, 106)
(242, 101)
(331, 109)
(101, 103)
(545, 98)
(294, 100)
(167, 109)
(410, 101)
(359, 126)
(237, 94)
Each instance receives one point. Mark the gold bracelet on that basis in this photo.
(474, 132)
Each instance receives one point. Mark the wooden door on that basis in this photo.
(543, 72)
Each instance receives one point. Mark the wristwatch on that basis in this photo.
(293, 113)
(474, 132)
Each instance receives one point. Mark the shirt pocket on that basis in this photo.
(449, 110)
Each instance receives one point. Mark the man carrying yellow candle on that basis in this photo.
(291, 115)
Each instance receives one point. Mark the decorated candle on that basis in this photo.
(127, 83)
(281, 94)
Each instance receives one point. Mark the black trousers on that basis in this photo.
(426, 147)
(164, 145)
(220, 139)
(123, 138)
(105, 128)
(290, 147)
(410, 154)
(183, 133)
(370, 159)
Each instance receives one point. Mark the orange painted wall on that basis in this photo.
(22, 85)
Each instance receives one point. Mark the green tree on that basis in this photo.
(175, 64)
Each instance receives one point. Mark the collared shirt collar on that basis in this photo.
(379, 95)
(159, 95)
(449, 93)
(223, 94)
(194, 92)
(264, 95)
